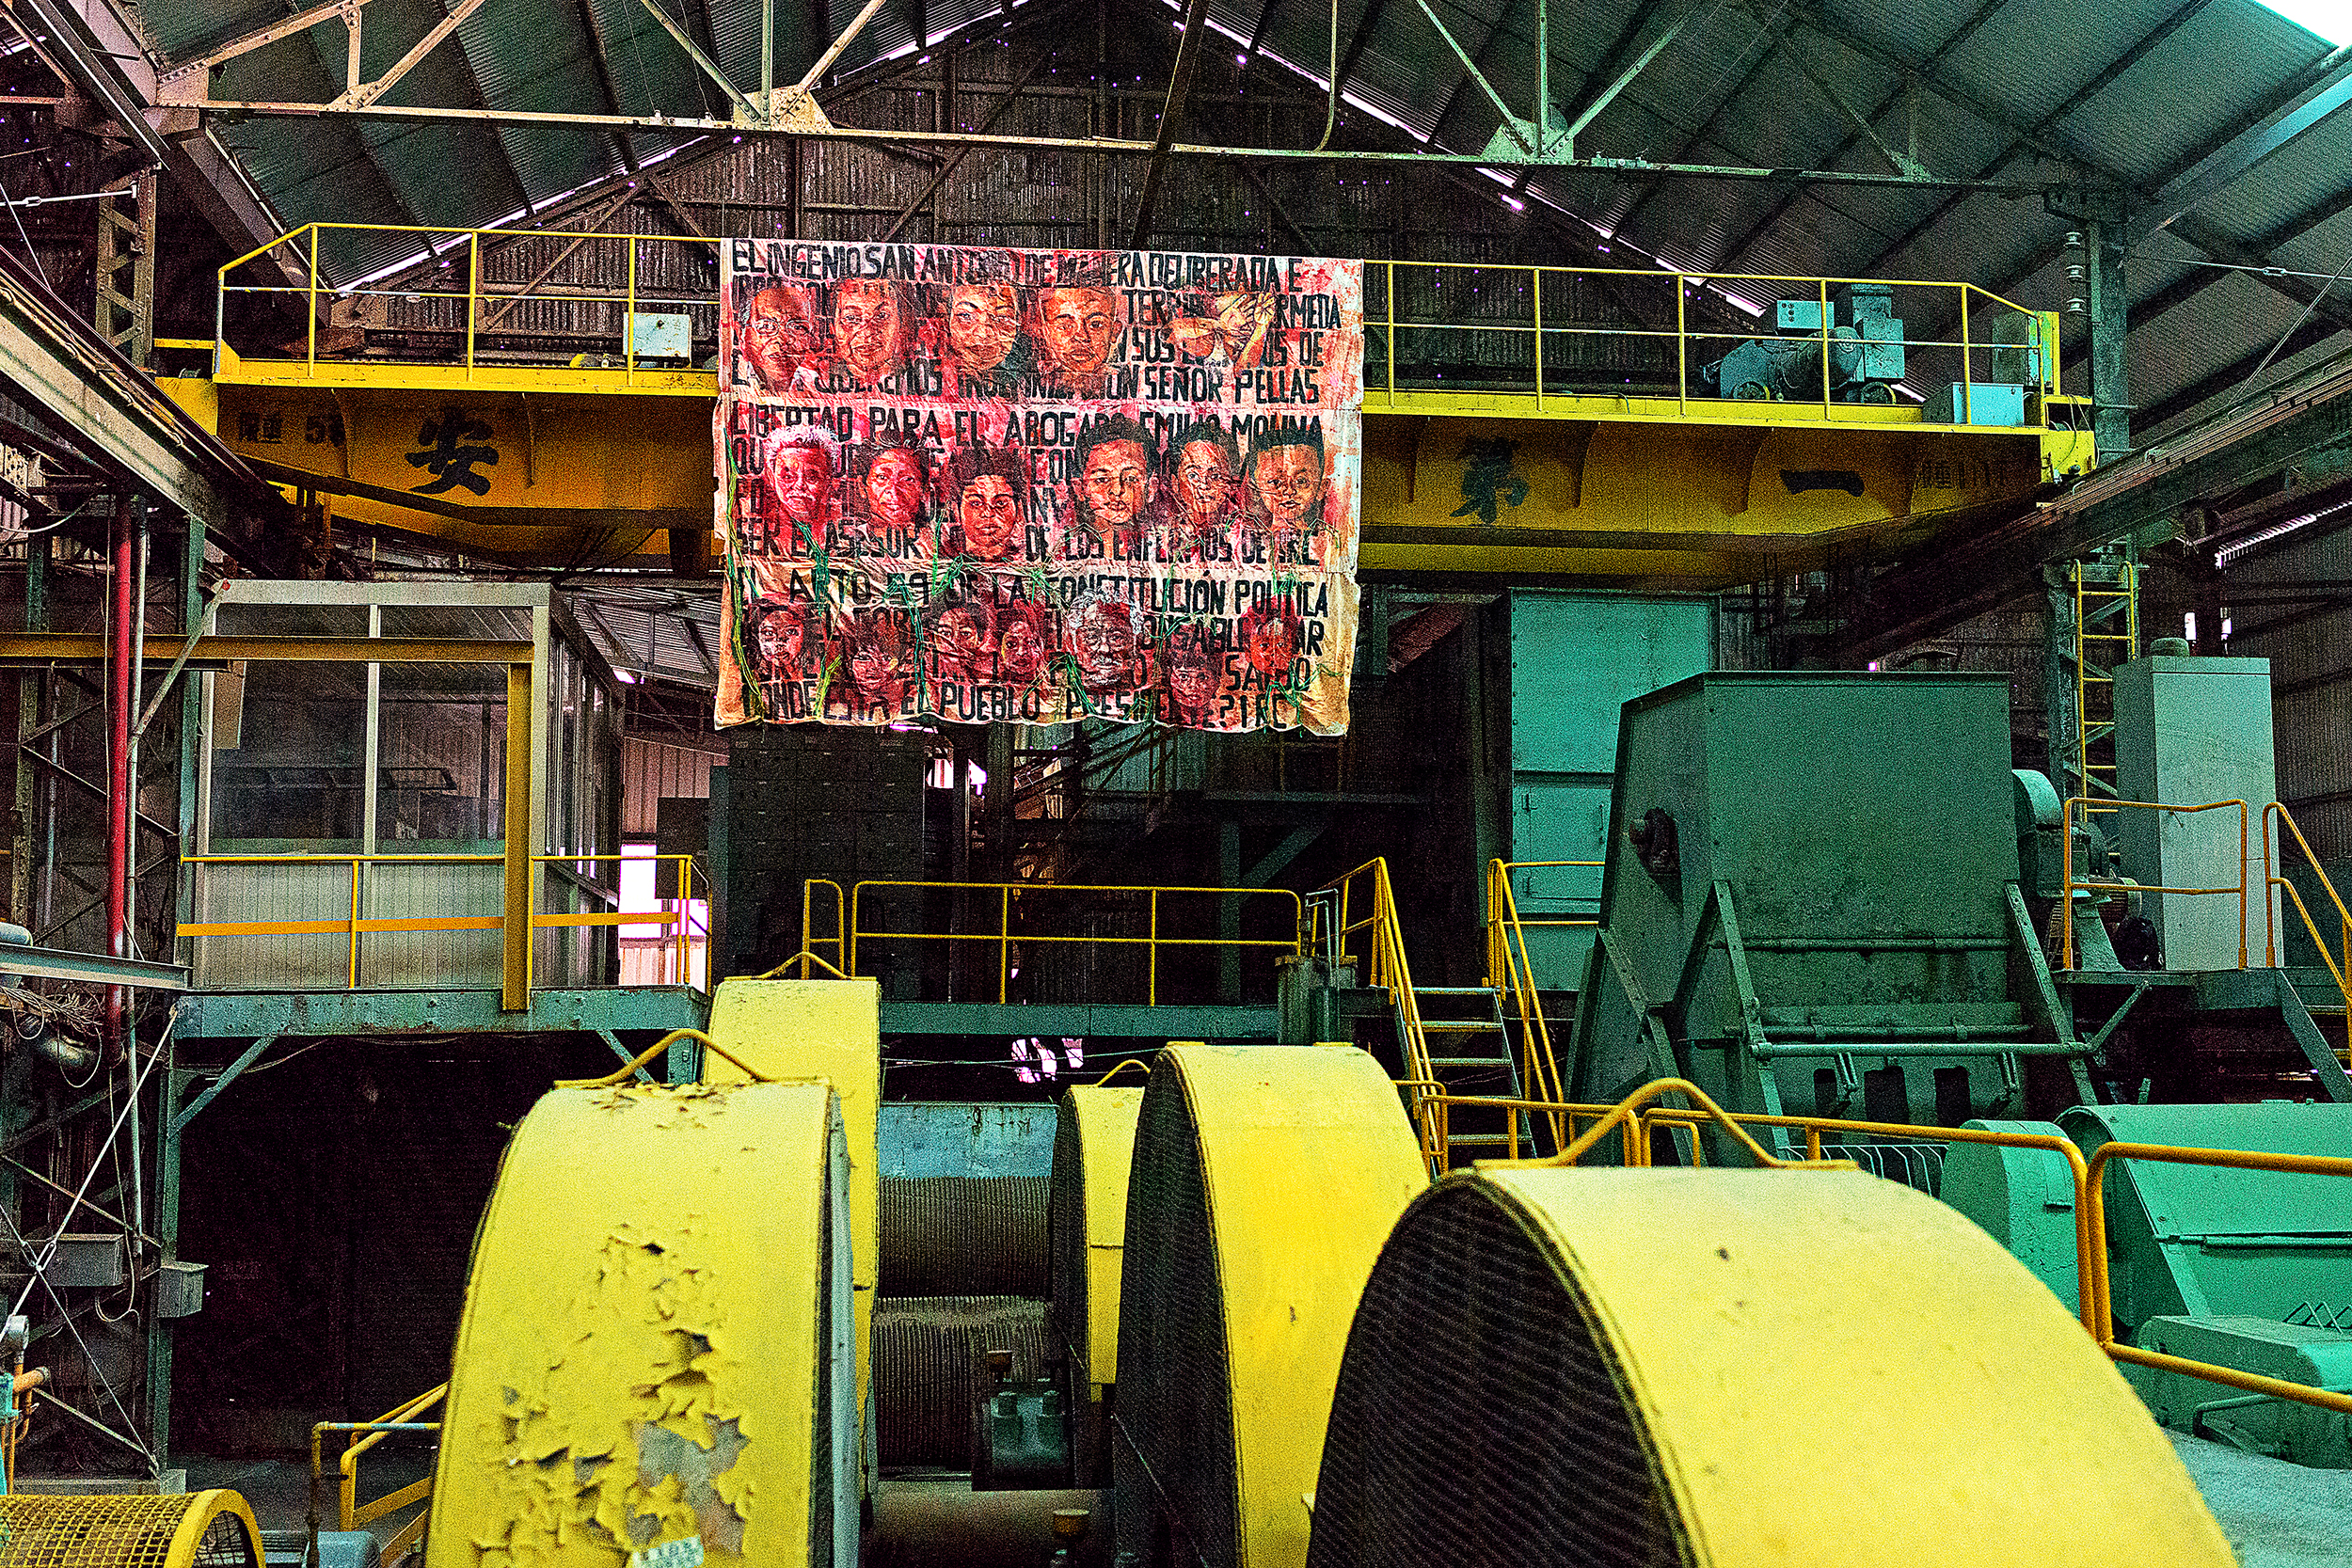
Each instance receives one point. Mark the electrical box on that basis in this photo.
(661, 336)
(179, 1290)
(86, 1261)
(1994, 403)
(1882, 348)
(1798, 316)
(2188, 730)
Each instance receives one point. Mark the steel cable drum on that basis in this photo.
(1094, 1141)
(1265, 1180)
(191, 1530)
(963, 1235)
(655, 1342)
(1720, 1368)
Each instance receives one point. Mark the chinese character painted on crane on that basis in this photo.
(1489, 483)
(450, 463)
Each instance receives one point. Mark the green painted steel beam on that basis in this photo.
(238, 1014)
(1081, 1020)
(91, 969)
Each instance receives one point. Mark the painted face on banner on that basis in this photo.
(783, 330)
(1288, 482)
(1205, 481)
(1273, 645)
(1194, 674)
(876, 662)
(780, 639)
(1102, 641)
(800, 480)
(1117, 482)
(869, 329)
(990, 514)
(894, 488)
(983, 322)
(1020, 652)
(1080, 327)
(960, 645)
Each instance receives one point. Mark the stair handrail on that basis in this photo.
(2274, 877)
(1389, 971)
(1507, 954)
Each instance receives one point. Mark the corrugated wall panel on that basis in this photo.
(652, 772)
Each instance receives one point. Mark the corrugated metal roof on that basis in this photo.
(1729, 89)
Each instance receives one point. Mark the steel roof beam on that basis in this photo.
(2248, 143)
(2197, 279)
(1171, 111)
(685, 40)
(1770, 31)
(1360, 39)
(622, 143)
(1473, 67)
(1915, 76)
(2082, 95)
(2306, 336)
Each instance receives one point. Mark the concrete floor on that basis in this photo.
(2276, 1514)
(918, 1523)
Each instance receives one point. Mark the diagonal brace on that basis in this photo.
(1510, 121)
(362, 97)
(685, 40)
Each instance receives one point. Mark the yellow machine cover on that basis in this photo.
(1094, 1141)
(1265, 1180)
(1732, 1368)
(655, 1339)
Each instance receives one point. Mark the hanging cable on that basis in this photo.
(2297, 324)
(30, 254)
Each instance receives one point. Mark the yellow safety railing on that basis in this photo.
(1636, 1118)
(852, 932)
(686, 933)
(360, 1437)
(488, 304)
(1511, 971)
(2066, 904)
(839, 940)
(1575, 346)
(2273, 877)
(1363, 905)
(1457, 297)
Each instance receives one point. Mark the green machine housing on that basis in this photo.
(1811, 906)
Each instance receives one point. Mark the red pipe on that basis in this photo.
(119, 803)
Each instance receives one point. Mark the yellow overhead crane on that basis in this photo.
(1502, 433)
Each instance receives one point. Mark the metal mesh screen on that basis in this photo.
(1478, 1420)
(1175, 1387)
(964, 1235)
(1066, 1240)
(1919, 1167)
(930, 1366)
(117, 1531)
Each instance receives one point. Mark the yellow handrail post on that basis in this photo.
(515, 897)
(354, 983)
(1392, 266)
(628, 317)
(473, 292)
(1968, 379)
(1152, 960)
(310, 353)
(1682, 346)
(1539, 277)
(1003, 943)
(1822, 286)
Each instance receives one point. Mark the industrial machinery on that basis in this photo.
(660, 1342)
(1741, 1366)
(1094, 1139)
(1864, 352)
(188, 1529)
(1265, 1178)
(1811, 906)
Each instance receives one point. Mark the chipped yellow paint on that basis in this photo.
(1106, 1121)
(1960, 1416)
(828, 1029)
(639, 1353)
(1306, 1159)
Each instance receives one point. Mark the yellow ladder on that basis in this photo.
(2099, 648)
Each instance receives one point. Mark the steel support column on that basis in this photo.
(2110, 380)
(30, 687)
(122, 549)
